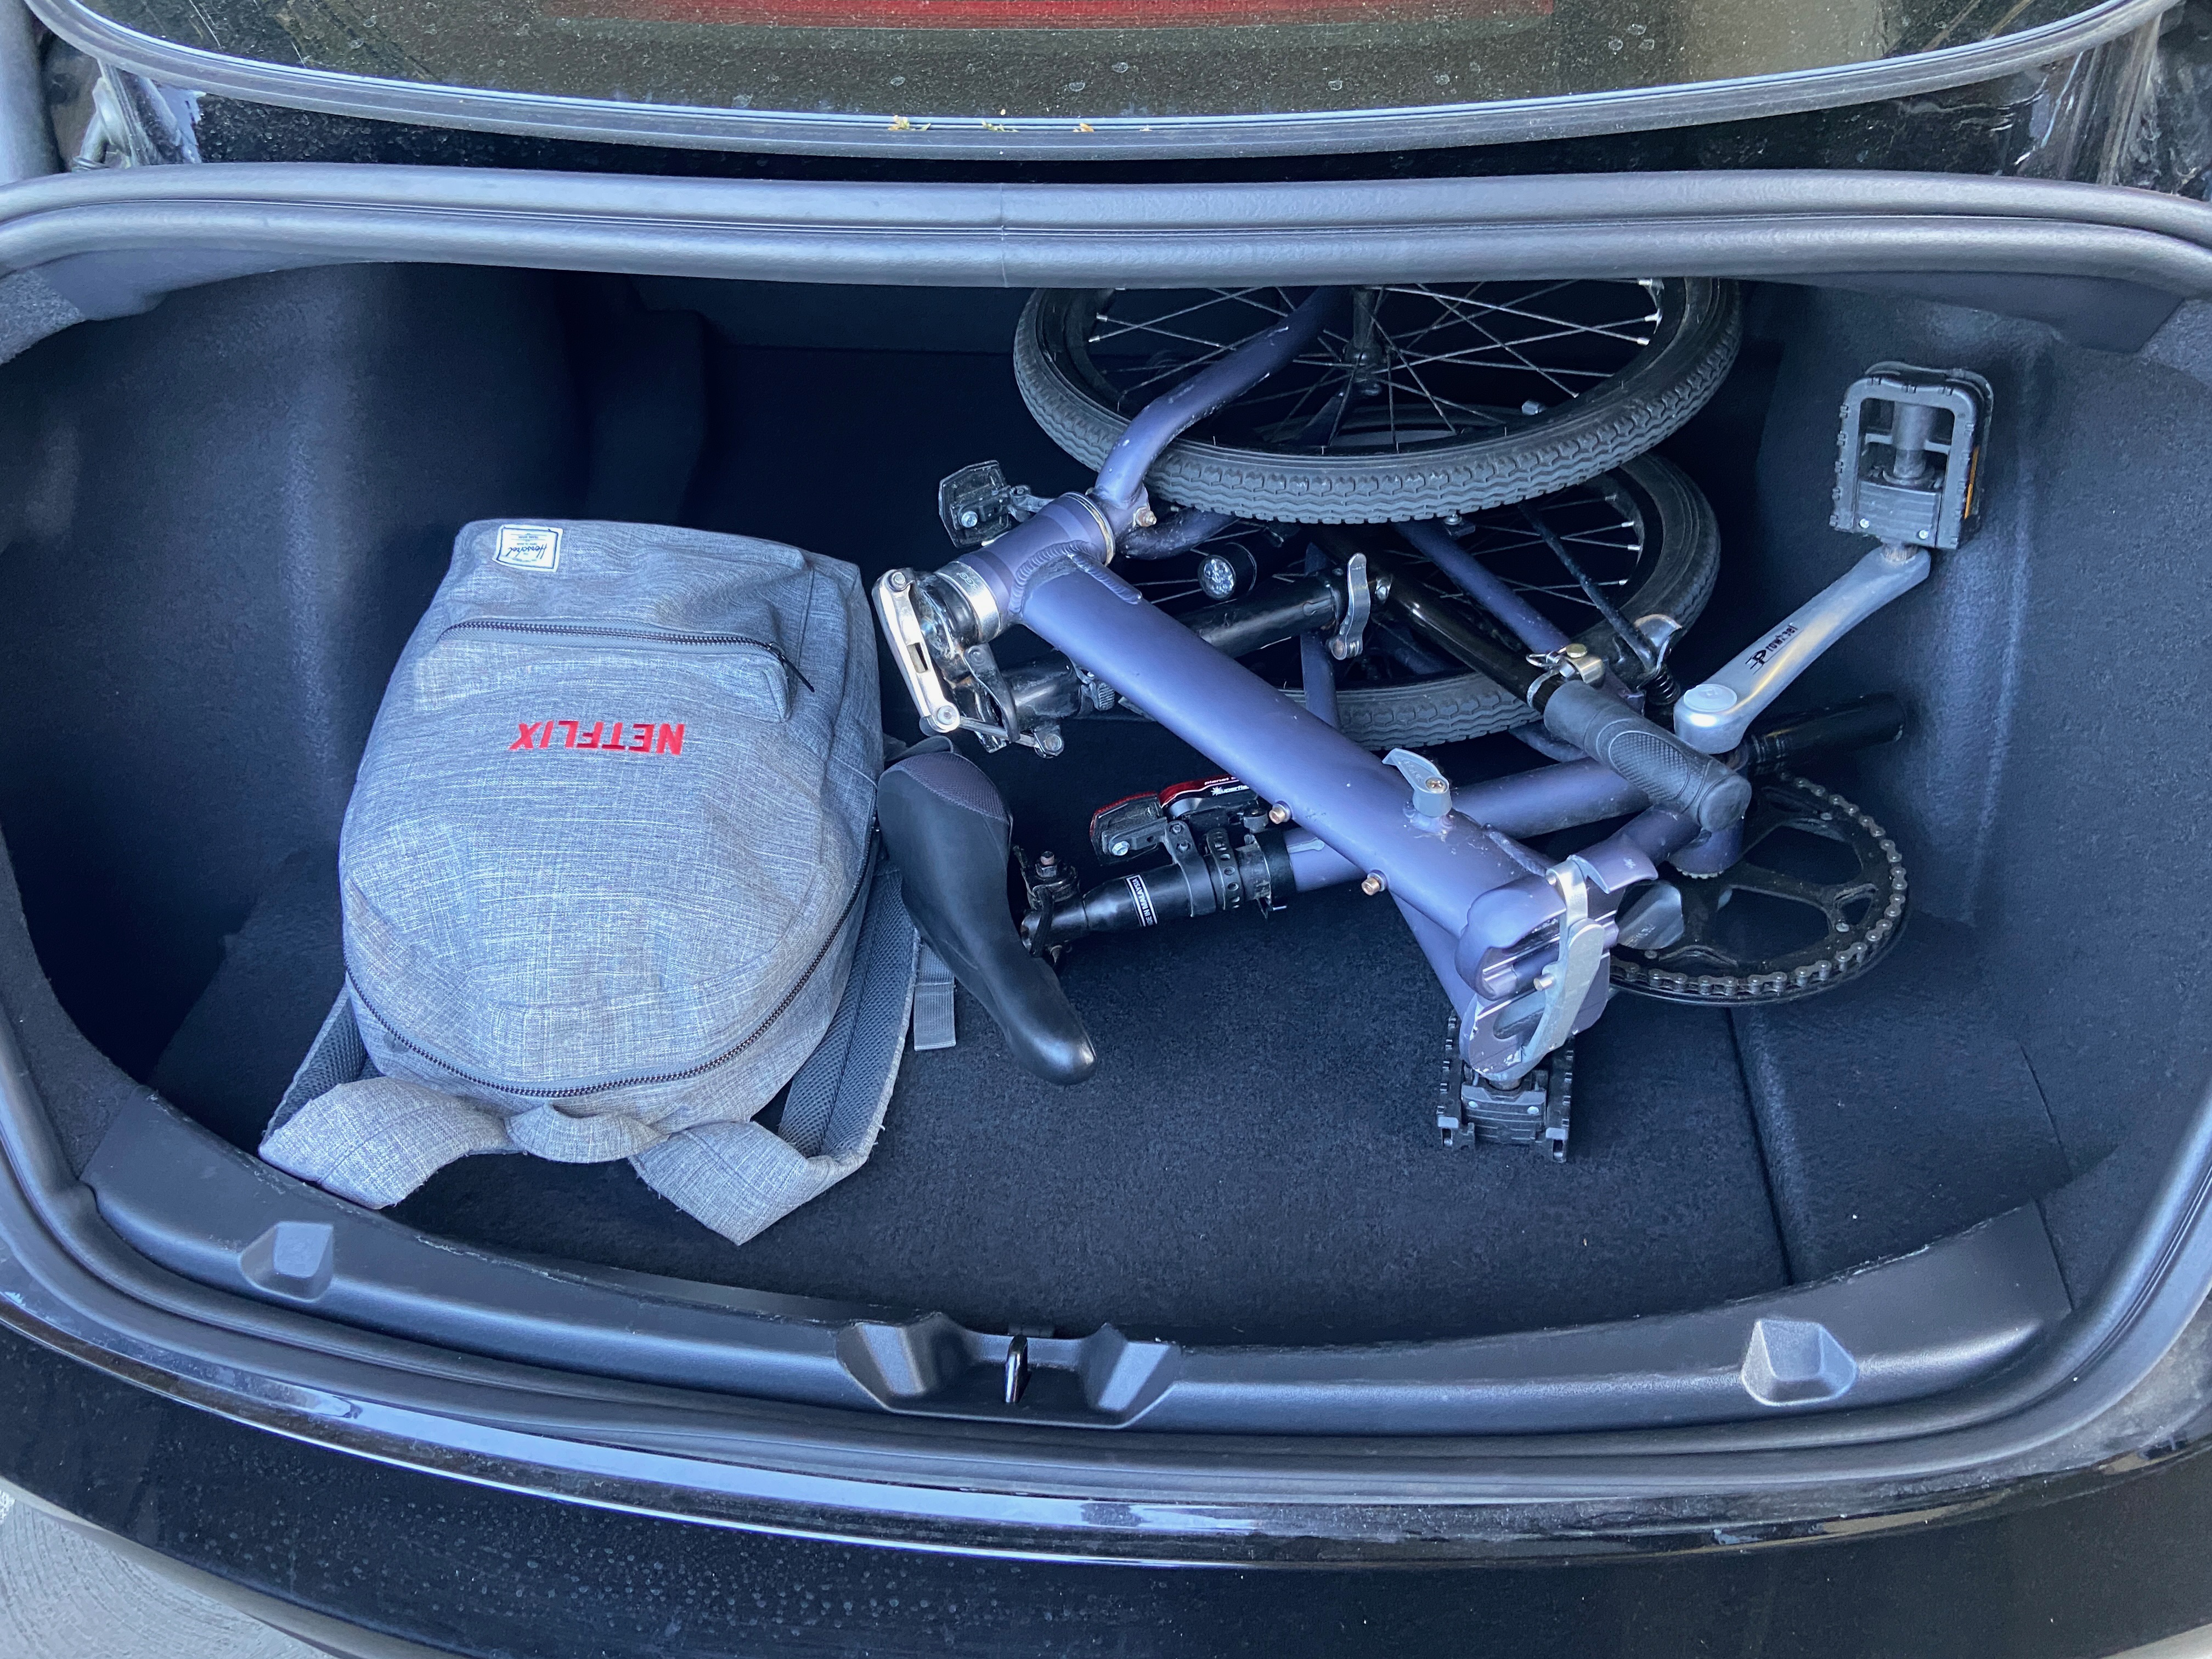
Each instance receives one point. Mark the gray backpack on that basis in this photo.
(607, 872)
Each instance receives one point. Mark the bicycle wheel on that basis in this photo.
(1425, 399)
(1644, 533)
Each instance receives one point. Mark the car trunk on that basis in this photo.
(225, 514)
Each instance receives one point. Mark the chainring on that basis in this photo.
(1862, 910)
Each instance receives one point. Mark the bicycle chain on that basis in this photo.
(1848, 953)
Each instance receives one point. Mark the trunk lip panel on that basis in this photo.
(199, 1207)
(1687, 104)
(67, 1281)
(2094, 1394)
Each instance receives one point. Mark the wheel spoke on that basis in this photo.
(1523, 360)
(1431, 396)
(1464, 308)
(1616, 330)
(1520, 363)
(1289, 421)
(1553, 328)
(1483, 416)
(1491, 320)
(1153, 323)
(1210, 348)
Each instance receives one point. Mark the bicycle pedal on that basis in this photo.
(1537, 1111)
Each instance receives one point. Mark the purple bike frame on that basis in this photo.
(1460, 880)
(1531, 803)
(1058, 588)
(1462, 886)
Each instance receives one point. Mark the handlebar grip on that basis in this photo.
(1674, 775)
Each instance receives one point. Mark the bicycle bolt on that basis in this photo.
(1375, 883)
(1279, 812)
(897, 581)
(970, 519)
(1119, 849)
(1146, 518)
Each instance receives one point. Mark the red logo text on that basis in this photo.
(608, 737)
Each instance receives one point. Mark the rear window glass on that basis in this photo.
(984, 65)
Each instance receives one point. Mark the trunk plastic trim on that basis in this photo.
(986, 1486)
(1903, 1329)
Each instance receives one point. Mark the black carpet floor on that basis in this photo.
(1256, 1160)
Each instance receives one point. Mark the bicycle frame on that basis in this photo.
(1522, 946)
(1470, 893)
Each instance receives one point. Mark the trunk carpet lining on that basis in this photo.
(1891, 1106)
(1256, 1160)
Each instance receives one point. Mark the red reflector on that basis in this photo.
(1042, 13)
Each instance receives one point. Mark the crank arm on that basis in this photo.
(1713, 717)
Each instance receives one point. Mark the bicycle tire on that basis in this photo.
(1649, 400)
(1450, 709)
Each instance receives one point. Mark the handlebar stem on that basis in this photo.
(1121, 486)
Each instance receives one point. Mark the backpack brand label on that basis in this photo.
(529, 547)
(607, 737)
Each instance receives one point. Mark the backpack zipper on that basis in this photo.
(657, 635)
(868, 867)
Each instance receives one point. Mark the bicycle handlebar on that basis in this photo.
(1675, 775)
(1671, 773)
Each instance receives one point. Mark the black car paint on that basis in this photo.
(2062, 1569)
